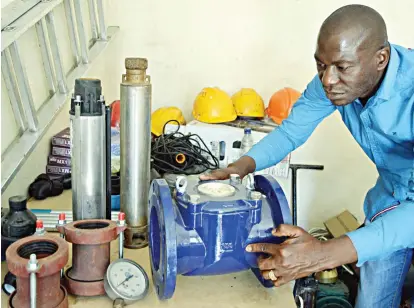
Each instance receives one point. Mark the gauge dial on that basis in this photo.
(126, 280)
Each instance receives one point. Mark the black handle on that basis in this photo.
(299, 166)
(295, 168)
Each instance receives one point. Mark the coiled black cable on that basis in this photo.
(178, 153)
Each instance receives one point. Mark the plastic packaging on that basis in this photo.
(246, 144)
(115, 150)
(247, 141)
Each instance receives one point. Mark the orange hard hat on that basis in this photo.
(115, 113)
(281, 103)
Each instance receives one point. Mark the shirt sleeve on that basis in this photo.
(308, 111)
(387, 234)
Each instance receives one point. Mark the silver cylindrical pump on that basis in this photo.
(88, 142)
(135, 126)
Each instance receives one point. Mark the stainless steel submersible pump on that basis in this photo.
(135, 123)
(90, 151)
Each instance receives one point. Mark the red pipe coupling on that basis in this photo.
(52, 254)
(91, 241)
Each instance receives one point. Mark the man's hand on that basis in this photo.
(242, 167)
(219, 174)
(300, 255)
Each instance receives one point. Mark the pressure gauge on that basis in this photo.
(127, 280)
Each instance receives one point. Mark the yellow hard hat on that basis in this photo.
(213, 105)
(164, 114)
(248, 103)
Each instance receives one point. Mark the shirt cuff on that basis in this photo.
(387, 234)
(364, 242)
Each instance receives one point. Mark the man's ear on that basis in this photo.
(383, 57)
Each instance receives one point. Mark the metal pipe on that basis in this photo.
(36, 262)
(294, 195)
(88, 134)
(91, 241)
(108, 161)
(135, 150)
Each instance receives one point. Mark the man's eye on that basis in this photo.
(343, 68)
(320, 65)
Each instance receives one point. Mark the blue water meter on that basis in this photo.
(203, 227)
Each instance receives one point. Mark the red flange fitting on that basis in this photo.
(52, 254)
(91, 241)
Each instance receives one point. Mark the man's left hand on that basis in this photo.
(298, 256)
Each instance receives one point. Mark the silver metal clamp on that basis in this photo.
(32, 268)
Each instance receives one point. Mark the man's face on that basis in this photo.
(347, 71)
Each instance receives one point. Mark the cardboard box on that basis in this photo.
(57, 170)
(342, 224)
(221, 139)
(59, 161)
(59, 151)
(62, 139)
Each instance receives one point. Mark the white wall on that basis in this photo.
(265, 45)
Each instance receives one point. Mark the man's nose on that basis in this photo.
(330, 77)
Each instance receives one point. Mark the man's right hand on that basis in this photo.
(242, 167)
(219, 174)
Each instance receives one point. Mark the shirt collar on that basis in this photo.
(388, 83)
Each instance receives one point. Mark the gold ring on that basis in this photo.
(272, 276)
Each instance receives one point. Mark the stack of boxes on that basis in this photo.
(59, 160)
